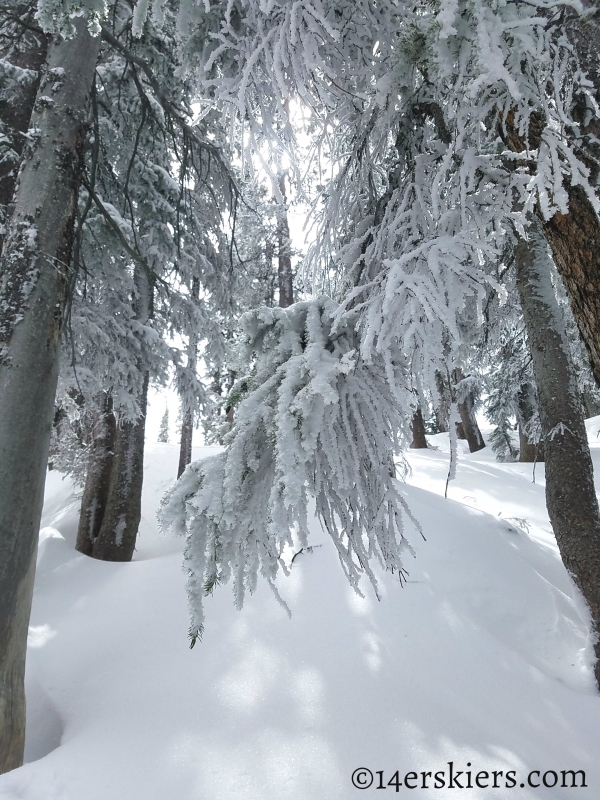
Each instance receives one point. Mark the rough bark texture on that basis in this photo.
(591, 407)
(442, 411)
(575, 242)
(185, 446)
(26, 50)
(575, 237)
(119, 528)
(33, 294)
(284, 256)
(584, 33)
(527, 404)
(187, 414)
(95, 493)
(118, 531)
(418, 431)
(470, 428)
(570, 494)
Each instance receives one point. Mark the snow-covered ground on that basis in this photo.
(481, 660)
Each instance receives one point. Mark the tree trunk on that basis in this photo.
(575, 242)
(419, 442)
(33, 295)
(26, 50)
(118, 531)
(185, 447)
(466, 409)
(575, 237)
(284, 255)
(584, 33)
(187, 413)
(570, 494)
(529, 452)
(591, 407)
(470, 426)
(97, 482)
(442, 411)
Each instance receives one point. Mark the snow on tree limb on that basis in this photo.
(315, 423)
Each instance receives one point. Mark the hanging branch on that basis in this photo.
(134, 254)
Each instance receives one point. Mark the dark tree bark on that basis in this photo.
(466, 409)
(269, 284)
(584, 33)
(460, 431)
(570, 493)
(119, 528)
(185, 445)
(100, 463)
(25, 49)
(527, 405)
(591, 407)
(575, 242)
(419, 441)
(442, 411)
(187, 413)
(575, 237)
(284, 255)
(33, 296)
(118, 532)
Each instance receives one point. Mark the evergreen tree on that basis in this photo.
(163, 433)
(34, 274)
(57, 269)
(570, 493)
(454, 124)
(423, 199)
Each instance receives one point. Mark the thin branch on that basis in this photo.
(134, 254)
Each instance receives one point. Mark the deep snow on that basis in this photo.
(482, 658)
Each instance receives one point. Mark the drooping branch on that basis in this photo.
(175, 113)
(132, 252)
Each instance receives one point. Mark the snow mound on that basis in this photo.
(482, 658)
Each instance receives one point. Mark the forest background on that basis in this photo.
(450, 156)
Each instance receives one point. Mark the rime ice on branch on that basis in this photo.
(313, 421)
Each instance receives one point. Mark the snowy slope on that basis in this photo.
(482, 659)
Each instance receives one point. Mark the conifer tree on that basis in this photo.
(163, 433)
(422, 198)
(570, 493)
(53, 271)
(34, 276)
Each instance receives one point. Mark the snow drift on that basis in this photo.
(482, 658)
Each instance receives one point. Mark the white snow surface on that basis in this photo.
(482, 659)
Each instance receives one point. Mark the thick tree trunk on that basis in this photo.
(100, 463)
(575, 242)
(284, 255)
(25, 49)
(470, 428)
(591, 407)
(33, 295)
(460, 431)
(584, 33)
(417, 426)
(118, 531)
(575, 237)
(570, 494)
(527, 405)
